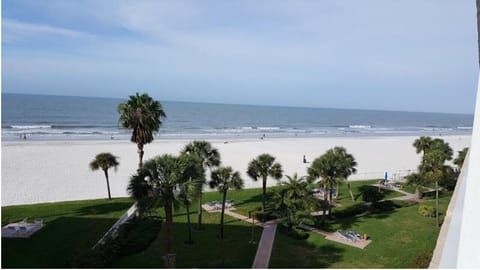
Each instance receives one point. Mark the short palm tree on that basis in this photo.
(262, 167)
(294, 200)
(105, 161)
(333, 166)
(144, 116)
(209, 158)
(224, 179)
(154, 185)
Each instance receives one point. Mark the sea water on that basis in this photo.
(41, 117)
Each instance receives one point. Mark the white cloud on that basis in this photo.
(14, 30)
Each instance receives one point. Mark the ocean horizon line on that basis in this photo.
(243, 104)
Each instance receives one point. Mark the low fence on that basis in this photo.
(396, 176)
(114, 229)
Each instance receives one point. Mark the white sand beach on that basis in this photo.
(49, 171)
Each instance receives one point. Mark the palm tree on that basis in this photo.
(105, 161)
(433, 169)
(143, 115)
(154, 185)
(461, 158)
(423, 144)
(333, 166)
(294, 200)
(209, 158)
(224, 179)
(296, 188)
(188, 192)
(262, 167)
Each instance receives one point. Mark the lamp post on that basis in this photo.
(252, 215)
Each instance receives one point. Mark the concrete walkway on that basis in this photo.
(264, 250)
(336, 238)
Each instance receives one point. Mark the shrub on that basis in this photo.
(264, 216)
(133, 236)
(371, 194)
(298, 234)
(426, 211)
(423, 260)
(351, 211)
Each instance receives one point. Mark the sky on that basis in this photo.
(409, 55)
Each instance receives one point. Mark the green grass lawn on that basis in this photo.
(71, 228)
(398, 238)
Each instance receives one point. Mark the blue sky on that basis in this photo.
(409, 55)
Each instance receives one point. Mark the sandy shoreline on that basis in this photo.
(49, 171)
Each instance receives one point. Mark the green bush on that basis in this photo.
(351, 211)
(134, 236)
(264, 216)
(372, 194)
(423, 260)
(426, 211)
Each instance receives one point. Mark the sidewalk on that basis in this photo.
(264, 250)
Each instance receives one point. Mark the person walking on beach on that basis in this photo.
(304, 159)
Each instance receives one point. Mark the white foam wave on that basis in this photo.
(31, 126)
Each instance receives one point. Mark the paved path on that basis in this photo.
(264, 250)
(407, 197)
(336, 238)
(243, 218)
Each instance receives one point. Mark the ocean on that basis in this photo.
(42, 117)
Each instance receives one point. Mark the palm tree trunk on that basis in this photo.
(436, 203)
(223, 213)
(264, 191)
(325, 198)
(140, 155)
(350, 190)
(108, 184)
(189, 224)
(170, 257)
(200, 210)
(330, 202)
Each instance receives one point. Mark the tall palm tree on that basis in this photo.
(188, 192)
(333, 166)
(433, 169)
(209, 158)
(155, 183)
(224, 179)
(461, 158)
(144, 116)
(423, 144)
(262, 167)
(105, 161)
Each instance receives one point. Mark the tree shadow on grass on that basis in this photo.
(55, 245)
(292, 253)
(353, 215)
(104, 208)
(206, 251)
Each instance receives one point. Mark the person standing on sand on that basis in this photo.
(304, 159)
